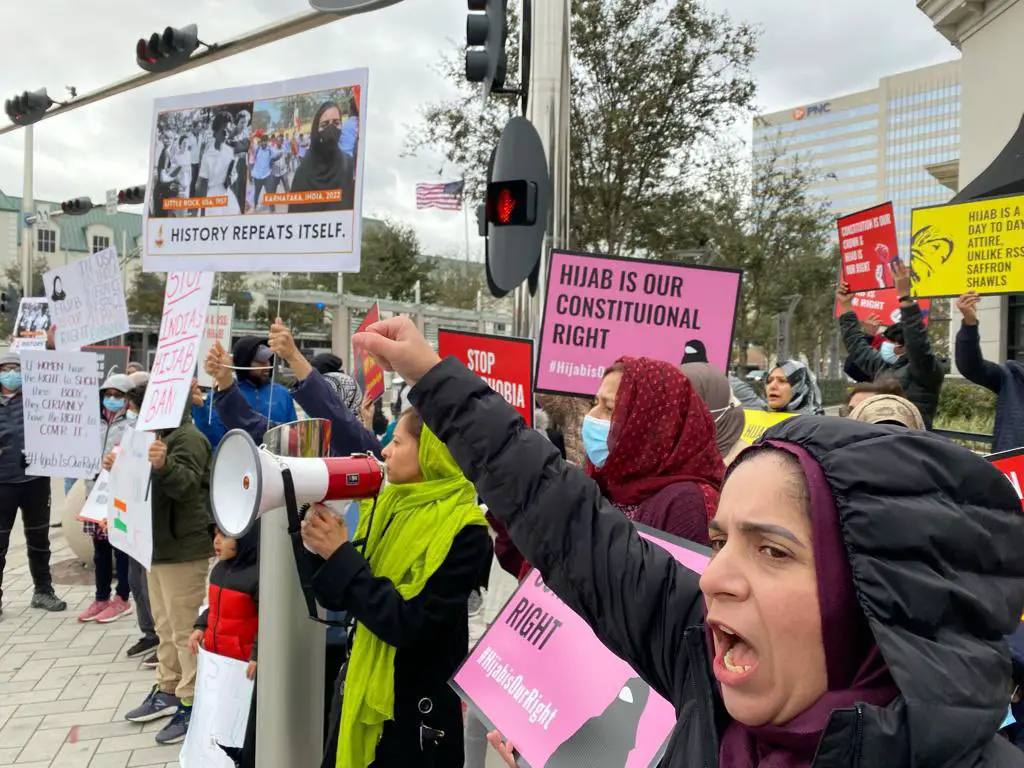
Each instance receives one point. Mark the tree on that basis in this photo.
(457, 284)
(652, 81)
(392, 264)
(298, 317)
(145, 299)
(232, 288)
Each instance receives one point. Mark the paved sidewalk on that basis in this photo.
(65, 686)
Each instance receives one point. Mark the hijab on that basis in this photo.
(322, 168)
(661, 434)
(713, 388)
(421, 521)
(330, 367)
(806, 396)
(855, 668)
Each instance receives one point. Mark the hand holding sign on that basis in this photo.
(968, 306)
(901, 279)
(397, 345)
(281, 341)
(218, 367)
(158, 454)
(503, 748)
(845, 298)
(108, 461)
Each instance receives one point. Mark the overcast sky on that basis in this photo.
(810, 50)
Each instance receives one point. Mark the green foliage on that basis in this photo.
(833, 391)
(145, 299)
(458, 286)
(232, 288)
(392, 264)
(961, 402)
(299, 317)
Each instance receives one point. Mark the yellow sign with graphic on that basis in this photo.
(976, 246)
(756, 422)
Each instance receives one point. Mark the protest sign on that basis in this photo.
(61, 394)
(109, 359)
(217, 328)
(87, 300)
(129, 513)
(884, 304)
(220, 712)
(1011, 464)
(369, 376)
(505, 363)
(541, 677)
(31, 325)
(186, 299)
(243, 210)
(600, 308)
(95, 508)
(868, 246)
(756, 422)
(974, 246)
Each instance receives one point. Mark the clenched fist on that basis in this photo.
(158, 454)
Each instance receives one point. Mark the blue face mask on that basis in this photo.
(888, 352)
(113, 404)
(10, 380)
(595, 439)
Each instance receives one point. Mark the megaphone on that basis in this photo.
(246, 481)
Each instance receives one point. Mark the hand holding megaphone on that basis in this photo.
(398, 346)
(323, 532)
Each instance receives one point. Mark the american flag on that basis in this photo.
(447, 197)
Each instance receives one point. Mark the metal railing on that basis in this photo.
(970, 437)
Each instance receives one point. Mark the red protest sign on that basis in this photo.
(867, 247)
(884, 304)
(505, 363)
(1011, 464)
(368, 374)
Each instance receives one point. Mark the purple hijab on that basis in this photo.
(856, 670)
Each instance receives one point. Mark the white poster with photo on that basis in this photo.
(61, 392)
(95, 508)
(186, 299)
(31, 324)
(218, 328)
(219, 713)
(87, 300)
(129, 511)
(261, 178)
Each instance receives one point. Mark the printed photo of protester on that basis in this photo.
(33, 319)
(200, 161)
(303, 153)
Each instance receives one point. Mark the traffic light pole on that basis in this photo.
(27, 208)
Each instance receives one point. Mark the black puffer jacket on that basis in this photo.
(934, 549)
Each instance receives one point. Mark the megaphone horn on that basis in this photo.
(246, 481)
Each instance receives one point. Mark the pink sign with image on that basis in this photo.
(601, 308)
(541, 677)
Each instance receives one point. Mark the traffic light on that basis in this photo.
(9, 300)
(77, 207)
(486, 30)
(29, 107)
(517, 203)
(162, 53)
(131, 196)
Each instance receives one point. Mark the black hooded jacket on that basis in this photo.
(231, 622)
(934, 549)
(243, 353)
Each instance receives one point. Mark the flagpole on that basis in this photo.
(465, 211)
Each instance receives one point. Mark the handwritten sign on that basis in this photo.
(31, 325)
(62, 413)
(369, 376)
(95, 508)
(87, 300)
(220, 712)
(186, 299)
(217, 328)
(129, 512)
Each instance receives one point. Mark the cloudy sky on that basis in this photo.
(810, 50)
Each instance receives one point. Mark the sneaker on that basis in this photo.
(175, 730)
(150, 661)
(117, 608)
(156, 705)
(96, 607)
(48, 601)
(144, 645)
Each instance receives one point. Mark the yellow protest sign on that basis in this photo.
(756, 422)
(976, 246)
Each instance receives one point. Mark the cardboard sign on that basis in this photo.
(883, 304)
(261, 178)
(369, 376)
(31, 325)
(130, 513)
(109, 359)
(756, 423)
(976, 246)
(541, 677)
(186, 299)
(61, 394)
(217, 328)
(868, 246)
(87, 300)
(601, 308)
(1011, 464)
(506, 364)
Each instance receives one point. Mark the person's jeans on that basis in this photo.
(140, 588)
(33, 498)
(475, 741)
(105, 557)
(176, 592)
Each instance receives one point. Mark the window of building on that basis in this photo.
(1015, 328)
(46, 241)
(100, 243)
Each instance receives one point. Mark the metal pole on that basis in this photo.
(27, 207)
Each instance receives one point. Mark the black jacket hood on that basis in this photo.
(247, 548)
(244, 351)
(934, 535)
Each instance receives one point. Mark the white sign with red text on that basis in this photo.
(218, 328)
(186, 299)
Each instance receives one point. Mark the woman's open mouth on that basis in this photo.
(735, 658)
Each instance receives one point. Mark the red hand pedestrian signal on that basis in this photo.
(511, 203)
(505, 206)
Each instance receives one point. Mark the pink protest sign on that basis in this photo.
(541, 677)
(600, 308)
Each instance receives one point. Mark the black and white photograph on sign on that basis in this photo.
(303, 153)
(259, 178)
(32, 323)
(200, 161)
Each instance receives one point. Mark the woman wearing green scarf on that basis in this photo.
(408, 588)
